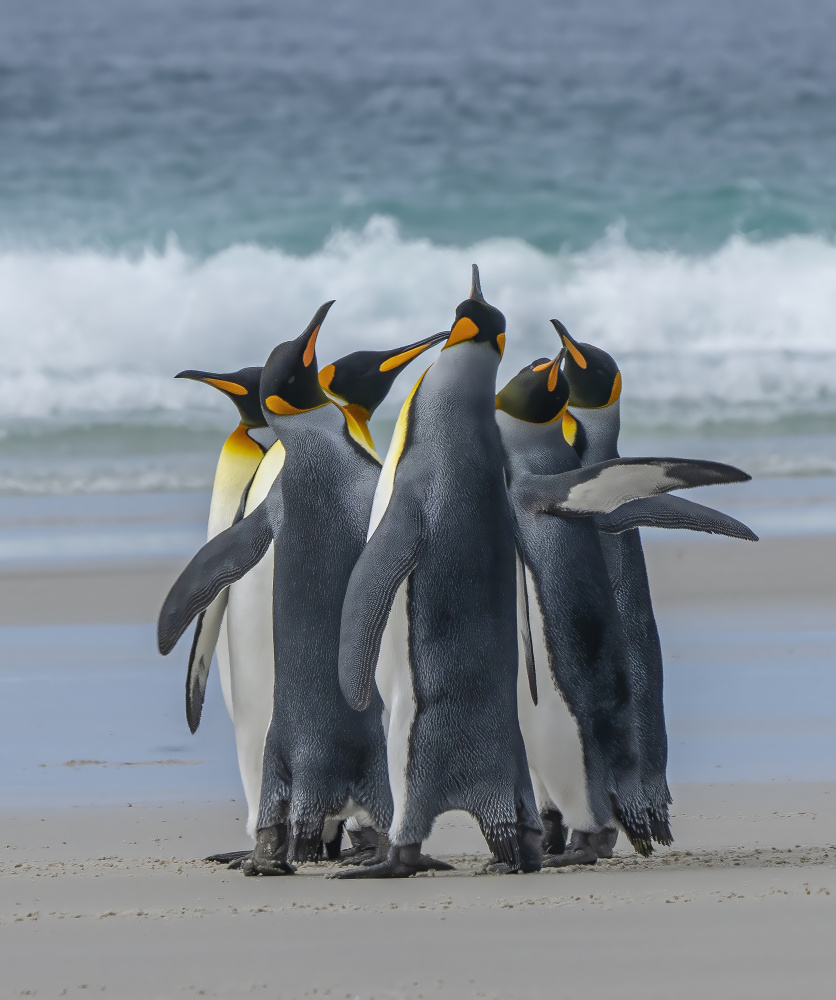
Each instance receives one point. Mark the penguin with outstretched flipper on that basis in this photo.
(320, 761)
(580, 735)
(437, 583)
(595, 390)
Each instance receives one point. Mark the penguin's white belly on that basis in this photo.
(552, 738)
(394, 681)
(249, 618)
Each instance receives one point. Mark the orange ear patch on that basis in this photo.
(464, 329)
(616, 389)
(275, 404)
(326, 376)
(500, 340)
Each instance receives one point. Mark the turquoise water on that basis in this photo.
(254, 122)
(182, 183)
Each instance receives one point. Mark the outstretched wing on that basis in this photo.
(387, 560)
(669, 511)
(602, 488)
(221, 561)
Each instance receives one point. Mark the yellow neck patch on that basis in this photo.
(355, 420)
(570, 427)
(386, 483)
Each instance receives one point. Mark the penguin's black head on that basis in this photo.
(594, 378)
(241, 387)
(363, 379)
(289, 382)
(538, 394)
(478, 321)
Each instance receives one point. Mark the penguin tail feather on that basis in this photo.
(660, 827)
(635, 824)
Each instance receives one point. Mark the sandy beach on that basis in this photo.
(113, 898)
(115, 901)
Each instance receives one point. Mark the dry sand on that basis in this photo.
(114, 901)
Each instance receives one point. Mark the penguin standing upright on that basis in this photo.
(321, 760)
(438, 579)
(595, 389)
(442, 538)
(361, 380)
(240, 457)
(580, 735)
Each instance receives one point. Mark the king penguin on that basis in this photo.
(595, 386)
(441, 538)
(438, 581)
(360, 380)
(240, 456)
(580, 734)
(320, 760)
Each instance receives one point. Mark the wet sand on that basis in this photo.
(682, 568)
(115, 900)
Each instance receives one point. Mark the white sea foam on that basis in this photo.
(745, 333)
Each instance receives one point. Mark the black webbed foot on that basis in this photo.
(401, 863)
(270, 854)
(579, 851)
(227, 857)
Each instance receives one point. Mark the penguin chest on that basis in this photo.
(552, 738)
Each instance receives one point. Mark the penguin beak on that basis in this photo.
(554, 369)
(403, 355)
(233, 388)
(569, 344)
(476, 284)
(310, 333)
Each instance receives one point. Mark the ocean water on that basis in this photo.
(182, 183)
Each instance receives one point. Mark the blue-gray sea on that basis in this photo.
(183, 182)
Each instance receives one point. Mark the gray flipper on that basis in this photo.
(200, 658)
(389, 557)
(669, 511)
(221, 561)
(205, 640)
(602, 488)
(524, 626)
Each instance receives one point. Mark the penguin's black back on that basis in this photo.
(581, 622)
(461, 599)
(323, 749)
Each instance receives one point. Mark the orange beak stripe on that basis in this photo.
(310, 350)
(224, 386)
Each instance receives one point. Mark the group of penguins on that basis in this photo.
(466, 624)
